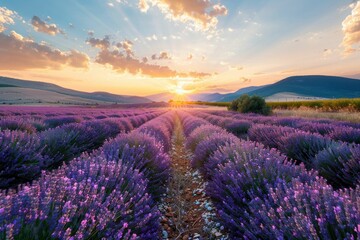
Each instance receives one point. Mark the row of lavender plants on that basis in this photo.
(336, 130)
(23, 155)
(337, 161)
(38, 123)
(260, 194)
(110, 193)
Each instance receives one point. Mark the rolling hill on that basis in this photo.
(302, 87)
(18, 91)
(313, 86)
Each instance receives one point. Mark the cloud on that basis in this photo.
(99, 43)
(327, 52)
(20, 53)
(153, 37)
(199, 14)
(6, 17)
(234, 67)
(121, 59)
(245, 80)
(162, 56)
(351, 29)
(127, 46)
(41, 26)
(143, 5)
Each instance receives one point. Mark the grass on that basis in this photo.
(311, 113)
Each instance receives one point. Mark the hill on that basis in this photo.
(316, 86)
(18, 91)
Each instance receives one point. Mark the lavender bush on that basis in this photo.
(345, 134)
(208, 146)
(142, 152)
(92, 198)
(339, 164)
(303, 211)
(59, 121)
(20, 157)
(238, 127)
(303, 146)
(200, 134)
(16, 124)
(269, 135)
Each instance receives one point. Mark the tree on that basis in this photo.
(247, 104)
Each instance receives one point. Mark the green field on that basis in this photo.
(333, 105)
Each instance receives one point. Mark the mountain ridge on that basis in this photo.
(101, 97)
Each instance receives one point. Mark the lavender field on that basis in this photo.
(80, 173)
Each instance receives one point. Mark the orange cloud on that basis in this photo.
(351, 28)
(200, 14)
(20, 53)
(119, 58)
(6, 17)
(41, 26)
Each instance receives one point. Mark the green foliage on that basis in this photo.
(247, 104)
(334, 105)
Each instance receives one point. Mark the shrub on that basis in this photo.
(247, 104)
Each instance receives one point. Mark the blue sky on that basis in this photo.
(204, 45)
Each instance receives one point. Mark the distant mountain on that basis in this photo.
(204, 97)
(26, 91)
(231, 96)
(313, 86)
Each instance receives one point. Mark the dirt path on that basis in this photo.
(187, 211)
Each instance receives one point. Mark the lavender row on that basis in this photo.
(41, 122)
(336, 130)
(260, 194)
(107, 194)
(24, 155)
(28, 111)
(336, 161)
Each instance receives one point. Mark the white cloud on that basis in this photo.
(6, 17)
(351, 28)
(199, 14)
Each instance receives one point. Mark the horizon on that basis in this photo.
(149, 47)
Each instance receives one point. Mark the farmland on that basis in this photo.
(328, 105)
(158, 173)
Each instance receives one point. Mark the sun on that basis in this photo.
(180, 91)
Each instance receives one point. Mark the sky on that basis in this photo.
(144, 47)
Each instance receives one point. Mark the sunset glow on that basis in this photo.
(144, 47)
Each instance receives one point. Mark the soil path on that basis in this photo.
(187, 211)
